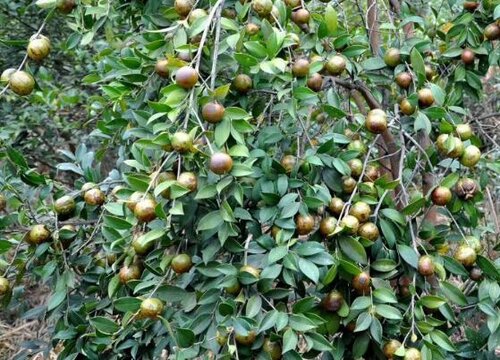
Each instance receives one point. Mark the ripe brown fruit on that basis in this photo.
(221, 163)
(38, 48)
(470, 156)
(181, 263)
(3, 202)
(161, 68)
(38, 234)
(348, 184)
(406, 107)
(412, 354)
(212, 112)
(301, 16)
(273, 349)
(475, 274)
(492, 32)
(4, 78)
(372, 173)
(390, 348)
(376, 121)
(304, 224)
(464, 131)
(465, 255)
(181, 142)
(247, 339)
(315, 82)
(4, 286)
(441, 196)
(21, 83)
(362, 283)
(466, 188)
(288, 162)
(183, 7)
(87, 186)
(65, 206)
(327, 226)
(134, 198)
(392, 57)
(336, 205)
(361, 211)
(262, 7)
(186, 77)
(350, 224)
(336, 65)
(66, 6)
(127, 273)
(429, 72)
(333, 301)
(468, 56)
(252, 29)
(425, 266)
(425, 98)
(151, 308)
(144, 210)
(404, 79)
(356, 166)
(242, 83)
(250, 270)
(188, 180)
(369, 231)
(94, 197)
(300, 68)
(470, 5)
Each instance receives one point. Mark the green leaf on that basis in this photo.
(301, 323)
(125, 304)
(363, 322)
(277, 254)
(388, 312)
(453, 293)
(361, 303)
(373, 64)
(56, 299)
(450, 180)
(290, 340)
(353, 249)
(394, 215)
(431, 301)
(210, 221)
(104, 325)
(17, 158)
(442, 340)
(417, 62)
(185, 337)
(253, 307)
(385, 295)
(331, 20)
(488, 267)
(408, 254)
(309, 270)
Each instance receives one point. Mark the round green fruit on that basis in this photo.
(251, 270)
(127, 273)
(361, 211)
(65, 206)
(327, 226)
(21, 83)
(242, 83)
(247, 339)
(369, 231)
(336, 65)
(38, 48)
(181, 142)
(465, 255)
(151, 308)
(4, 286)
(336, 205)
(470, 156)
(390, 348)
(362, 283)
(412, 354)
(300, 68)
(376, 121)
(262, 7)
(272, 348)
(38, 234)
(94, 197)
(464, 131)
(315, 82)
(404, 79)
(392, 57)
(288, 162)
(161, 68)
(350, 224)
(181, 263)
(441, 196)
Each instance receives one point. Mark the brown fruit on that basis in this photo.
(161, 68)
(38, 48)
(475, 274)
(361, 211)
(464, 131)
(181, 263)
(315, 82)
(87, 186)
(429, 72)
(65, 206)
(66, 6)
(470, 156)
(372, 173)
(183, 7)
(188, 180)
(468, 56)
(376, 121)
(221, 163)
(336, 65)
(327, 226)
(94, 197)
(181, 142)
(38, 234)
(144, 210)
(3, 202)
(186, 77)
(492, 32)
(185, 56)
(196, 14)
(247, 339)
(251, 270)
(406, 107)
(356, 166)
(350, 224)
(151, 308)
(404, 79)
(21, 83)
(162, 177)
(301, 16)
(425, 98)
(229, 13)
(348, 184)
(465, 255)
(4, 286)
(390, 348)
(262, 7)
(392, 57)
(212, 112)
(242, 83)
(368, 188)
(292, 3)
(336, 205)
(470, 5)
(134, 198)
(412, 354)
(252, 29)
(333, 301)
(426, 266)
(273, 349)
(441, 196)
(288, 162)
(300, 68)
(369, 231)
(304, 224)
(466, 188)
(127, 273)
(4, 78)
(362, 283)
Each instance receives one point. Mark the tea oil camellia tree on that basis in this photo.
(289, 179)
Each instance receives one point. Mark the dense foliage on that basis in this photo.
(262, 179)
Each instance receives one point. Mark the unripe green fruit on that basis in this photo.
(161, 68)
(404, 79)
(315, 82)
(141, 248)
(390, 348)
(288, 162)
(348, 184)
(300, 68)
(21, 83)
(4, 78)
(474, 243)
(464, 131)
(465, 255)
(356, 166)
(38, 234)
(350, 224)
(412, 354)
(38, 48)
(336, 65)
(247, 339)
(183, 7)
(181, 142)
(327, 226)
(392, 57)
(64, 206)
(406, 107)
(195, 15)
(441, 196)
(212, 112)
(369, 231)
(181, 263)
(470, 156)
(242, 83)
(301, 16)
(186, 77)
(250, 270)
(94, 197)
(151, 308)
(336, 205)
(425, 98)
(127, 273)
(262, 7)
(4, 286)
(361, 211)
(273, 349)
